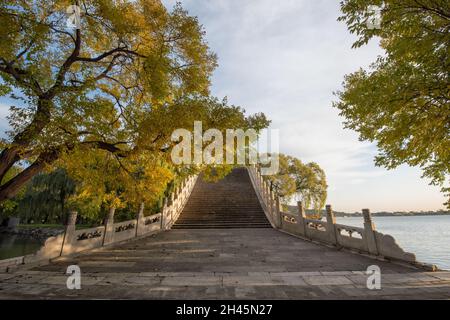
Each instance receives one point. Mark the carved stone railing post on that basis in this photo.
(331, 225)
(69, 235)
(269, 197)
(301, 220)
(164, 214)
(278, 221)
(183, 190)
(279, 210)
(109, 227)
(264, 191)
(140, 223)
(369, 233)
(272, 210)
(261, 183)
(174, 194)
(266, 195)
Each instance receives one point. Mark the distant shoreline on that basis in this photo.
(391, 214)
(294, 209)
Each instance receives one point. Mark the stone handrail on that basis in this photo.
(364, 240)
(269, 202)
(73, 240)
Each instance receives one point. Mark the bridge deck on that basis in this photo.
(223, 264)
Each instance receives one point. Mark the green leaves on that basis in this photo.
(46, 197)
(96, 87)
(403, 102)
(306, 182)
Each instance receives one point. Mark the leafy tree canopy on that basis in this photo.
(402, 102)
(106, 96)
(46, 196)
(306, 182)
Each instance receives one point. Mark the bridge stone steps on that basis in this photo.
(230, 203)
(222, 226)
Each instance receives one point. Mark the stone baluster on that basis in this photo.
(264, 191)
(172, 198)
(268, 196)
(183, 190)
(260, 180)
(177, 193)
(278, 221)
(140, 222)
(272, 204)
(108, 237)
(69, 235)
(164, 214)
(302, 219)
(369, 233)
(331, 225)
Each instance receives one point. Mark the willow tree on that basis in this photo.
(402, 103)
(94, 86)
(46, 197)
(295, 179)
(9, 207)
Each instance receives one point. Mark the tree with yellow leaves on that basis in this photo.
(112, 89)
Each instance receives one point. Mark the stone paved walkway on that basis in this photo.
(223, 264)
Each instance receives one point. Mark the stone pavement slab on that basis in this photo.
(223, 264)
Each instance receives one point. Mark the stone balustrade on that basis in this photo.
(73, 240)
(364, 240)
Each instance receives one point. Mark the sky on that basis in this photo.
(286, 58)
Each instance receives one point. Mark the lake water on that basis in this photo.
(16, 246)
(428, 237)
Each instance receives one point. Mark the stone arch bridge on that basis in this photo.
(225, 240)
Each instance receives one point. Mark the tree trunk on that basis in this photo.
(13, 186)
(11, 155)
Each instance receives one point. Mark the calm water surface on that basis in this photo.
(16, 246)
(428, 237)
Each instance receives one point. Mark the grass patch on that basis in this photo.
(52, 226)
(39, 225)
